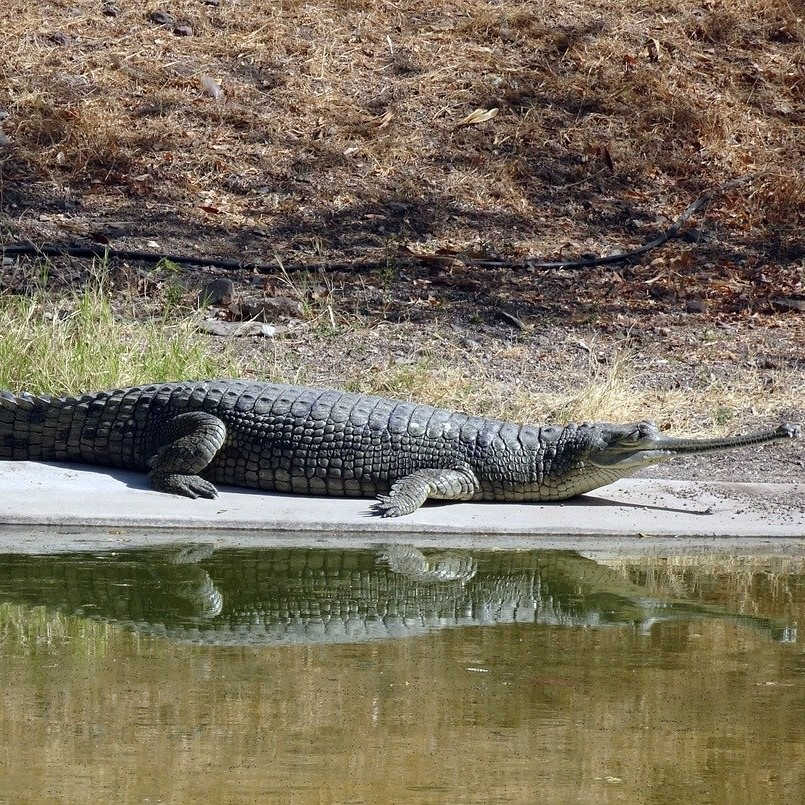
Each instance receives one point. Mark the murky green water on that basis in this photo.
(396, 676)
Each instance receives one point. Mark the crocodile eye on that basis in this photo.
(629, 437)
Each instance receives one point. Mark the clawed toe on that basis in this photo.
(189, 486)
(202, 488)
(386, 506)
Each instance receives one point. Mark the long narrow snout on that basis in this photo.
(645, 445)
(787, 431)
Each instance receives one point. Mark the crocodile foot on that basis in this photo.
(190, 486)
(408, 493)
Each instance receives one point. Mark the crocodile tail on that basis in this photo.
(22, 426)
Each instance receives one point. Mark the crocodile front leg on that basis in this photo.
(189, 443)
(409, 492)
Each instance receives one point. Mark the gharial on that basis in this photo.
(326, 442)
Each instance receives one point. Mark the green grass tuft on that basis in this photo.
(79, 344)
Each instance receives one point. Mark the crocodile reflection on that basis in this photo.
(285, 596)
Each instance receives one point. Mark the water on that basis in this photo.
(400, 676)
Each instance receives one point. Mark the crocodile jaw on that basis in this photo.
(626, 462)
(630, 447)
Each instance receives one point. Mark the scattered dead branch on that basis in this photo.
(105, 252)
(673, 231)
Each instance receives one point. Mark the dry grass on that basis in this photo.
(619, 388)
(334, 108)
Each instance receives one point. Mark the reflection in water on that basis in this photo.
(299, 595)
(300, 675)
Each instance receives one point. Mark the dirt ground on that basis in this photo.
(367, 153)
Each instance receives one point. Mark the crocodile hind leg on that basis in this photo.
(188, 443)
(409, 492)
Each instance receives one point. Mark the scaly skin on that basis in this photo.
(190, 435)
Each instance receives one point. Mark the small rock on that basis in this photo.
(239, 329)
(217, 292)
(115, 228)
(3, 139)
(8, 261)
(59, 38)
(110, 10)
(160, 17)
(214, 3)
(183, 30)
(695, 305)
(148, 110)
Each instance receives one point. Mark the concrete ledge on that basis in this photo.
(72, 497)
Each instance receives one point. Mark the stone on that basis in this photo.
(59, 38)
(160, 17)
(217, 292)
(239, 329)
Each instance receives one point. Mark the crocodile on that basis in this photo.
(190, 435)
(284, 596)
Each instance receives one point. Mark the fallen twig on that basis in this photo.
(672, 232)
(512, 319)
(104, 252)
